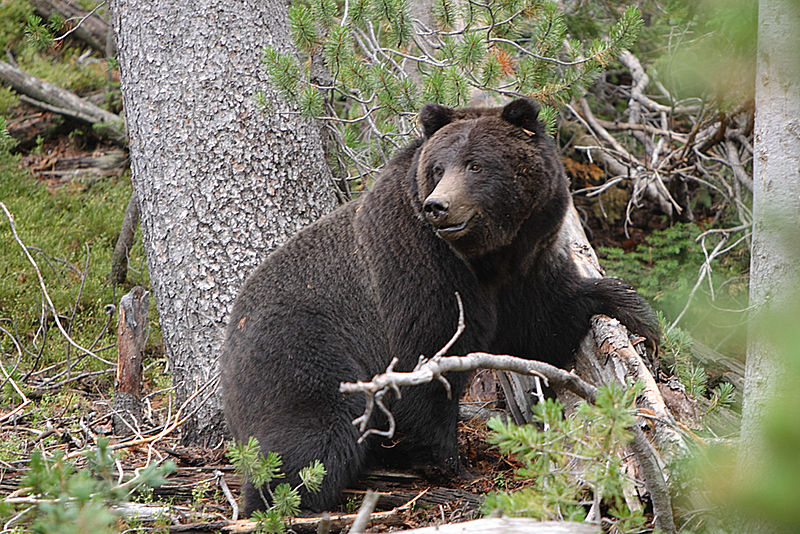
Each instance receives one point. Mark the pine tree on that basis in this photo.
(383, 65)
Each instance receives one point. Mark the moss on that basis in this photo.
(13, 14)
(58, 225)
(68, 72)
(8, 100)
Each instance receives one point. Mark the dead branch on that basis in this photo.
(173, 423)
(364, 512)
(610, 343)
(119, 259)
(131, 337)
(50, 97)
(220, 477)
(44, 290)
(735, 164)
(434, 368)
(88, 26)
(660, 173)
(24, 401)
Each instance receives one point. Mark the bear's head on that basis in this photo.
(487, 178)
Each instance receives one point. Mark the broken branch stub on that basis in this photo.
(131, 337)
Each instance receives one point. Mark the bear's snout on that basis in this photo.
(435, 209)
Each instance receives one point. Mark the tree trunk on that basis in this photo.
(220, 182)
(774, 270)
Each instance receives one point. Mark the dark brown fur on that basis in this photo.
(373, 280)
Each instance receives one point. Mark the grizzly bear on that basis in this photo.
(474, 206)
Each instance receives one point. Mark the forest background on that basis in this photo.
(653, 110)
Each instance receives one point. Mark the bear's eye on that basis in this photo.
(474, 167)
(438, 171)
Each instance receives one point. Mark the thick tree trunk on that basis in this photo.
(774, 270)
(220, 182)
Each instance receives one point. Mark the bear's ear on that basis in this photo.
(433, 116)
(522, 113)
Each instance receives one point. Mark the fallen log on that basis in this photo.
(509, 525)
(50, 97)
(604, 356)
(490, 525)
(719, 366)
(300, 525)
(108, 163)
(30, 127)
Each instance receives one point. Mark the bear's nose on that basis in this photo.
(435, 209)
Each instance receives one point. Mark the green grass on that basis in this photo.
(67, 72)
(58, 225)
(13, 14)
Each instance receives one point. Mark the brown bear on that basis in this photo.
(473, 206)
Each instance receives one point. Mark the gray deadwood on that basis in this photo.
(509, 525)
(119, 258)
(220, 182)
(607, 356)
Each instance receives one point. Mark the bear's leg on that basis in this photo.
(427, 421)
(299, 443)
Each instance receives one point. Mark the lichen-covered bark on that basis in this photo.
(219, 182)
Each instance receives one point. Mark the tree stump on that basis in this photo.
(131, 337)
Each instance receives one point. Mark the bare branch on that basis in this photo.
(81, 21)
(45, 293)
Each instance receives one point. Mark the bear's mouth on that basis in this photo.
(452, 231)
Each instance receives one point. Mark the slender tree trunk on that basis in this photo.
(774, 270)
(220, 182)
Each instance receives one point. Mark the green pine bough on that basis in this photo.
(572, 466)
(284, 501)
(56, 497)
(365, 67)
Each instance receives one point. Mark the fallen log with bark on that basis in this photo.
(28, 128)
(337, 523)
(50, 97)
(84, 166)
(509, 525)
